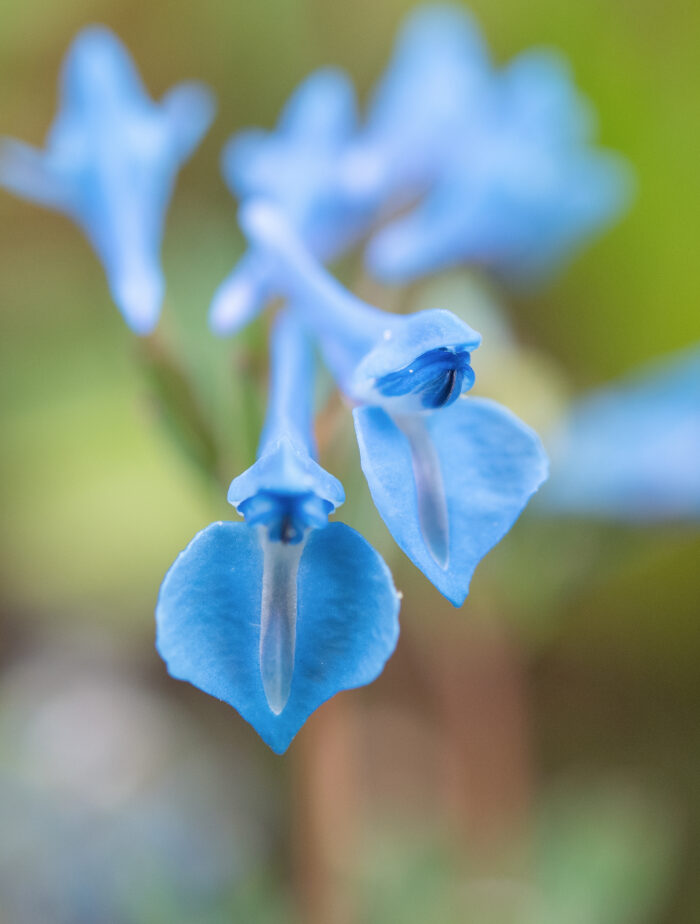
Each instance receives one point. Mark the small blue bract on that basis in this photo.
(110, 163)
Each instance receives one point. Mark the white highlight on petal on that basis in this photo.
(138, 293)
(278, 618)
(237, 301)
(430, 488)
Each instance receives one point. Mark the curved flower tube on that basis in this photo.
(277, 614)
(448, 475)
(524, 186)
(110, 163)
(403, 363)
(630, 451)
(298, 166)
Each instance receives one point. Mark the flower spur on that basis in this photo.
(277, 614)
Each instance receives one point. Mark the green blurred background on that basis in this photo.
(532, 758)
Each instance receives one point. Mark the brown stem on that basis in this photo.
(326, 808)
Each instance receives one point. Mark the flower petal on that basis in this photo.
(29, 173)
(110, 163)
(98, 71)
(630, 451)
(427, 93)
(189, 110)
(286, 468)
(208, 622)
(242, 295)
(520, 215)
(297, 165)
(322, 109)
(538, 88)
(490, 463)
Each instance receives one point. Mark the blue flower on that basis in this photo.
(630, 451)
(522, 187)
(449, 485)
(329, 177)
(298, 166)
(277, 614)
(448, 475)
(110, 163)
(429, 93)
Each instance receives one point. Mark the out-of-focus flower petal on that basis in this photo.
(242, 295)
(29, 173)
(521, 185)
(631, 451)
(537, 90)
(296, 166)
(110, 163)
(449, 485)
(300, 168)
(519, 215)
(189, 109)
(428, 93)
(208, 619)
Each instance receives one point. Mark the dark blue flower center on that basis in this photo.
(287, 517)
(433, 380)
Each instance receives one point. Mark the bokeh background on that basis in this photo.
(530, 758)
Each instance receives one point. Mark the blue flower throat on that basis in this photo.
(434, 380)
(286, 518)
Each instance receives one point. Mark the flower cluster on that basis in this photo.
(485, 166)
(493, 166)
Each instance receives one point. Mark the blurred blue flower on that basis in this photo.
(110, 163)
(277, 614)
(631, 451)
(522, 184)
(431, 90)
(298, 166)
(449, 484)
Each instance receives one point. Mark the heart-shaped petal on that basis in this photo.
(449, 485)
(209, 618)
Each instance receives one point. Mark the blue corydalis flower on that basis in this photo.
(522, 187)
(448, 475)
(298, 166)
(277, 614)
(110, 163)
(328, 178)
(407, 363)
(631, 451)
(428, 93)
